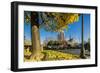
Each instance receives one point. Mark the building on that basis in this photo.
(72, 42)
(61, 36)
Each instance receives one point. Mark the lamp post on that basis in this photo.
(82, 54)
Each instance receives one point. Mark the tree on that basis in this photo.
(32, 18)
(50, 43)
(36, 47)
(50, 21)
(87, 45)
(57, 22)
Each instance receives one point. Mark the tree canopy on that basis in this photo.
(57, 22)
(54, 21)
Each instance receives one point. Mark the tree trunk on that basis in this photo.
(35, 40)
(82, 54)
(36, 49)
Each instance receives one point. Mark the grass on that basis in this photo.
(55, 55)
(49, 55)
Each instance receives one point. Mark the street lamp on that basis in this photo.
(82, 54)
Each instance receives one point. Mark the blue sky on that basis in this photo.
(74, 30)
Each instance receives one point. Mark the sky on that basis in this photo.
(73, 31)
